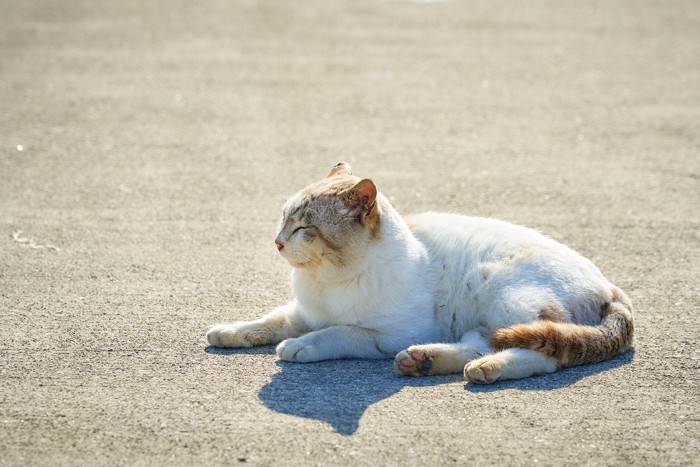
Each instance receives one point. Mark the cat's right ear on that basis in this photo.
(340, 168)
(362, 196)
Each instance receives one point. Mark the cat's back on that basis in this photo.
(464, 246)
(449, 234)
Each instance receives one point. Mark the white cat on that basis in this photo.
(442, 293)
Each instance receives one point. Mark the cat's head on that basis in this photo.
(330, 223)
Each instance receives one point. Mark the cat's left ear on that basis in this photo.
(362, 196)
(340, 168)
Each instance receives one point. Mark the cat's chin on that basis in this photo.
(306, 265)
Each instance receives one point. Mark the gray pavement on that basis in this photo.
(145, 151)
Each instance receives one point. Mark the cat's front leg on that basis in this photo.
(332, 343)
(272, 328)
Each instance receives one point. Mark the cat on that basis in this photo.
(440, 293)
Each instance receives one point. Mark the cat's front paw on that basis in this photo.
(239, 334)
(298, 350)
(484, 370)
(413, 362)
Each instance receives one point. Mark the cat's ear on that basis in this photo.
(362, 196)
(340, 168)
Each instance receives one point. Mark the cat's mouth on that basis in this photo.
(299, 261)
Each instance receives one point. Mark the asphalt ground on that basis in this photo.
(146, 149)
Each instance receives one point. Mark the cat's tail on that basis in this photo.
(573, 344)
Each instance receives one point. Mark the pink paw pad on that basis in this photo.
(419, 363)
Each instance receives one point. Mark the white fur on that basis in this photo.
(426, 284)
(383, 289)
(509, 364)
(428, 279)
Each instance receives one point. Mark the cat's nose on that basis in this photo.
(279, 244)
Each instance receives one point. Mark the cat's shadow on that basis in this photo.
(338, 392)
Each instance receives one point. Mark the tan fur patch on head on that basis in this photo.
(373, 221)
(318, 195)
(331, 220)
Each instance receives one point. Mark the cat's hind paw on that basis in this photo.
(413, 363)
(485, 370)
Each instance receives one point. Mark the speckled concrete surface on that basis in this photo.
(145, 151)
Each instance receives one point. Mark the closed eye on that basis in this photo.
(303, 227)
